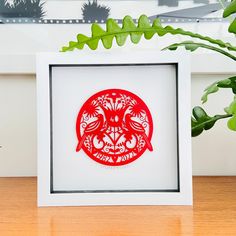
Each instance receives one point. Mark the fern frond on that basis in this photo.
(201, 121)
(129, 28)
(193, 46)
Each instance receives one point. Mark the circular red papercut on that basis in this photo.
(114, 127)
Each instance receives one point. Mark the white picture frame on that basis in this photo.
(56, 73)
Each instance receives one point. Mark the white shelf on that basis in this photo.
(205, 63)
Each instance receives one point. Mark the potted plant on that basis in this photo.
(200, 119)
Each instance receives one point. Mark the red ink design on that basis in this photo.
(114, 127)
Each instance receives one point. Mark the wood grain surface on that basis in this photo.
(213, 213)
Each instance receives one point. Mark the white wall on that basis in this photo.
(17, 125)
(213, 152)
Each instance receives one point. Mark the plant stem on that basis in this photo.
(220, 51)
(215, 118)
(201, 45)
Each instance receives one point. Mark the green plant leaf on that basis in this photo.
(213, 88)
(232, 110)
(192, 46)
(129, 28)
(202, 121)
(230, 10)
(232, 27)
(189, 45)
(232, 107)
(232, 123)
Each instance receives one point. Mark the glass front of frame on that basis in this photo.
(114, 128)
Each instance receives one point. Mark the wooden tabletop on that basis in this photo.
(213, 213)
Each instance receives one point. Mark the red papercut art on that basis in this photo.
(114, 127)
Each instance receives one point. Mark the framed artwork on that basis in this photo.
(114, 129)
(89, 11)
